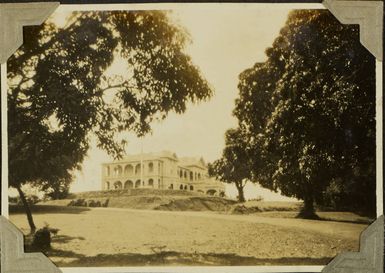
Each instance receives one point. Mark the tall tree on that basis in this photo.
(234, 165)
(253, 109)
(60, 94)
(319, 130)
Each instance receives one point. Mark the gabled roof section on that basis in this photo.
(192, 162)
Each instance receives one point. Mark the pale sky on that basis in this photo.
(225, 42)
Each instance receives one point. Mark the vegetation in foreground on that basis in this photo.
(307, 118)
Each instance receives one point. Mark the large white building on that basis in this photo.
(162, 170)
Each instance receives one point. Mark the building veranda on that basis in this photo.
(162, 170)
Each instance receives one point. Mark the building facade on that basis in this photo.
(162, 170)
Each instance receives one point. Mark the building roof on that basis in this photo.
(147, 156)
(182, 161)
(192, 161)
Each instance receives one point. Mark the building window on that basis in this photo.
(107, 185)
(137, 184)
(185, 174)
(191, 187)
(118, 170)
(150, 167)
(171, 186)
(158, 183)
(199, 176)
(185, 187)
(180, 173)
(181, 187)
(191, 176)
(128, 170)
(128, 184)
(118, 185)
(108, 170)
(151, 182)
(137, 169)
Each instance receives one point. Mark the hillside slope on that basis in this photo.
(147, 199)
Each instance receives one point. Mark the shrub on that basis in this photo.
(14, 200)
(42, 239)
(33, 199)
(78, 203)
(90, 203)
(242, 209)
(258, 199)
(105, 204)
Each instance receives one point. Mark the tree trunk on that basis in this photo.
(308, 210)
(241, 195)
(27, 210)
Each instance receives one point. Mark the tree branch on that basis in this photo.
(120, 85)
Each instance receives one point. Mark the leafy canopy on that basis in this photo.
(234, 165)
(309, 113)
(60, 95)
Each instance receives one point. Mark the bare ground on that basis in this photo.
(125, 237)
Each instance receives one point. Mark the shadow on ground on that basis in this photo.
(36, 209)
(65, 239)
(358, 221)
(342, 217)
(171, 258)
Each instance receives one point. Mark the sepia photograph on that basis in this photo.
(191, 135)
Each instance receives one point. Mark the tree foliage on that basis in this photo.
(55, 189)
(310, 115)
(60, 94)
(234, 166)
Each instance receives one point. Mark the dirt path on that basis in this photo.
(108, 236)
(339, 229)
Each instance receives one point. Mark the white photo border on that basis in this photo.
(193, 269)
